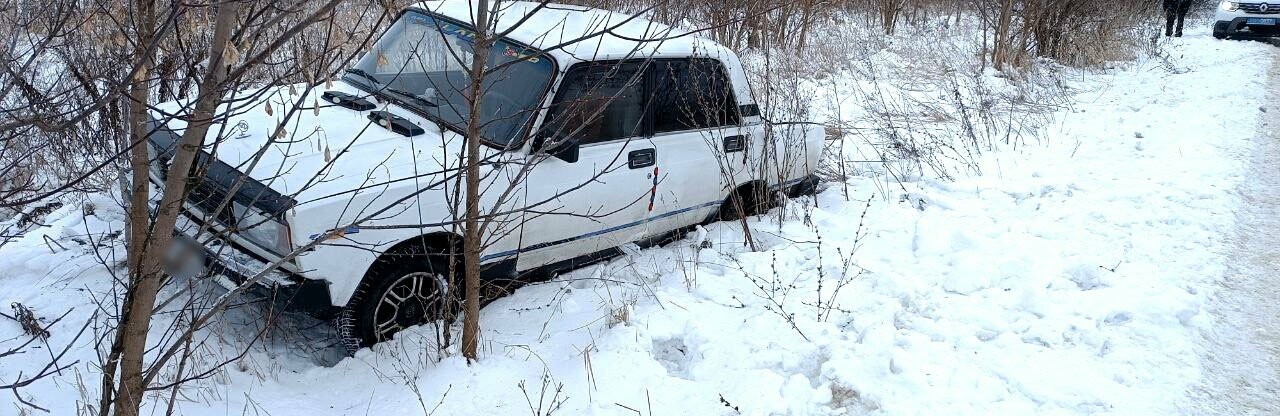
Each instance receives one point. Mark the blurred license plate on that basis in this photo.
(185, 258)
(1261, 21)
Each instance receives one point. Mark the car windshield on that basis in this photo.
(422, 61)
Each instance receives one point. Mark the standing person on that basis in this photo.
(1175, 10)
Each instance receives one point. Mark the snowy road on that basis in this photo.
(1242, 350)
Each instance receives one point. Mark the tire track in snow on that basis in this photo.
(1241, 352)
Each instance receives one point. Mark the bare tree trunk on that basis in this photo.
(805, 21)
(754, 24)
(1000, 54)
(139, 160)
(142, 294)
(139, 197)
(472, 233)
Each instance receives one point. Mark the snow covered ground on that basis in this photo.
(1072, 277)
(1241, 348)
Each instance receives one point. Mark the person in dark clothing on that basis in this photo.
(1175, 10)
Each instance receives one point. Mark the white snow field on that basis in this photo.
(1075, 276)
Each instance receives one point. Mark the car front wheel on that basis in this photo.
(392, 300)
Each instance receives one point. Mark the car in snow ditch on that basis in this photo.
(595, 136)
(1247, 19)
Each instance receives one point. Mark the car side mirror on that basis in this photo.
(566, 149)
(563, 148)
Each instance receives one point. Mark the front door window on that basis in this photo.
(598, 102)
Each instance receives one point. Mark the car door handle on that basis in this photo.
(735, 143)
(637, 159)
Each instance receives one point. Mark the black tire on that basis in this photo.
(408, 290)
(754, 199)
(1220, 30)
(806, 187)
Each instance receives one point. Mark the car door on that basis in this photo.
(699, 138)
(596, 202)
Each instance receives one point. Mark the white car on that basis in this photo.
(1247, 19)
(591, 142)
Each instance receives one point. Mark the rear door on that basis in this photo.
(698, 134)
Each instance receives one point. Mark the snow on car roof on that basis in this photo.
(578, 33)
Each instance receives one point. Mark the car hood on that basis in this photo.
(325, 150)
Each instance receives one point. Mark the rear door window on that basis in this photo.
(692, 94)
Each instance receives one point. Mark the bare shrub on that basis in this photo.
(1075, 32)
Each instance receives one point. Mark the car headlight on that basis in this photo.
(1230, 6)
(261, 229)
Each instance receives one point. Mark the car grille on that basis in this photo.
(209, 197)
(214, 178)
(1256, 8)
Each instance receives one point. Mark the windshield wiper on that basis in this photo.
(362, 73)
(421, 99)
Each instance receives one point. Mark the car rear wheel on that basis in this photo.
(806, 187)
(745, 201)
(412, 292)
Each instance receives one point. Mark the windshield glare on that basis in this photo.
(428, 58)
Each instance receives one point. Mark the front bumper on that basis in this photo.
(231, 265)
(1239, 27)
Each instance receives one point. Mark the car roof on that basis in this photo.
(577, 33)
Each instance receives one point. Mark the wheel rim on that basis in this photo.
(412, 299)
